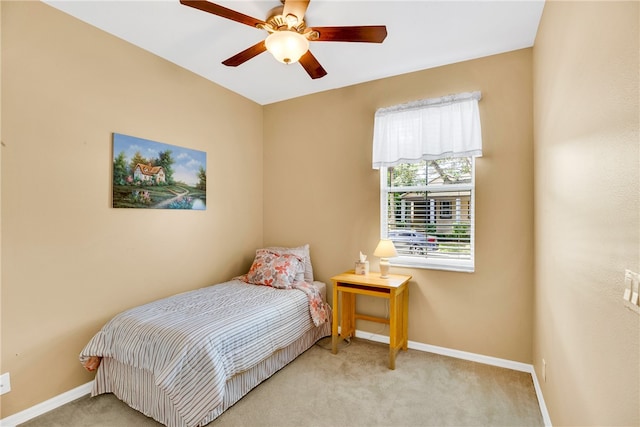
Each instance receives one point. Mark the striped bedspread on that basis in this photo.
(194, 342)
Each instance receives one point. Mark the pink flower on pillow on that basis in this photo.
(255, 266)
(282, 268)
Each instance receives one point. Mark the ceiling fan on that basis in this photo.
(289, 37)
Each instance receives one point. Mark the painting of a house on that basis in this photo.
(149, 173)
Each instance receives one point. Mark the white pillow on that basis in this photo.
(302, 252)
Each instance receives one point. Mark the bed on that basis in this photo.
(185, 359)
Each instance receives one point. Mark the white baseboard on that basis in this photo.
(46, 406)
(85, 389)
(543, 406)
(473, 357)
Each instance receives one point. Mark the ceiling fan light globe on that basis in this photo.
(287, 46)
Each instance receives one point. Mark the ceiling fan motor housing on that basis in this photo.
(276, 21)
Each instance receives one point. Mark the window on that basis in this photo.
(445, 208)
(427, 211)
(426, 151)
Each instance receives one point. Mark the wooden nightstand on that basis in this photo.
(395, 289)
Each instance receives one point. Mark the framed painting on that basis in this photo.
(155, 175)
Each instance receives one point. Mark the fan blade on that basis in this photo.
(365, 34)
(245, 55)
(312, 66)
(223, 12)
(295, 7)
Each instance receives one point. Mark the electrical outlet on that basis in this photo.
(5, 383)
(544, 370)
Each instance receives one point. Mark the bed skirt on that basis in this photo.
(137, 388)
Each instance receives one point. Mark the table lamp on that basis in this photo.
(384, 251)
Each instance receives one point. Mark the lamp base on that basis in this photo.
(384, 268)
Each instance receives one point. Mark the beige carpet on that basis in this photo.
(353, 388)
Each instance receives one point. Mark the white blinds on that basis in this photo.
(435, 225)
(428, 129)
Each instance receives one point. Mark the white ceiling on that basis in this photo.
(421, 34)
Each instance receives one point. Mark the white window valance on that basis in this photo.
(428, 129)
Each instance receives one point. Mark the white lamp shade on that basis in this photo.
(287, 46)
(385, 249)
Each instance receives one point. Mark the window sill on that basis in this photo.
(431, 264)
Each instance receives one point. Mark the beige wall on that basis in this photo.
(319, 184)
(69, 260)
(587, 163)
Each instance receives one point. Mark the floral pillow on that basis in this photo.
(303, 252)
(273, 269)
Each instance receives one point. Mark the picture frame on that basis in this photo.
(155, 175)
